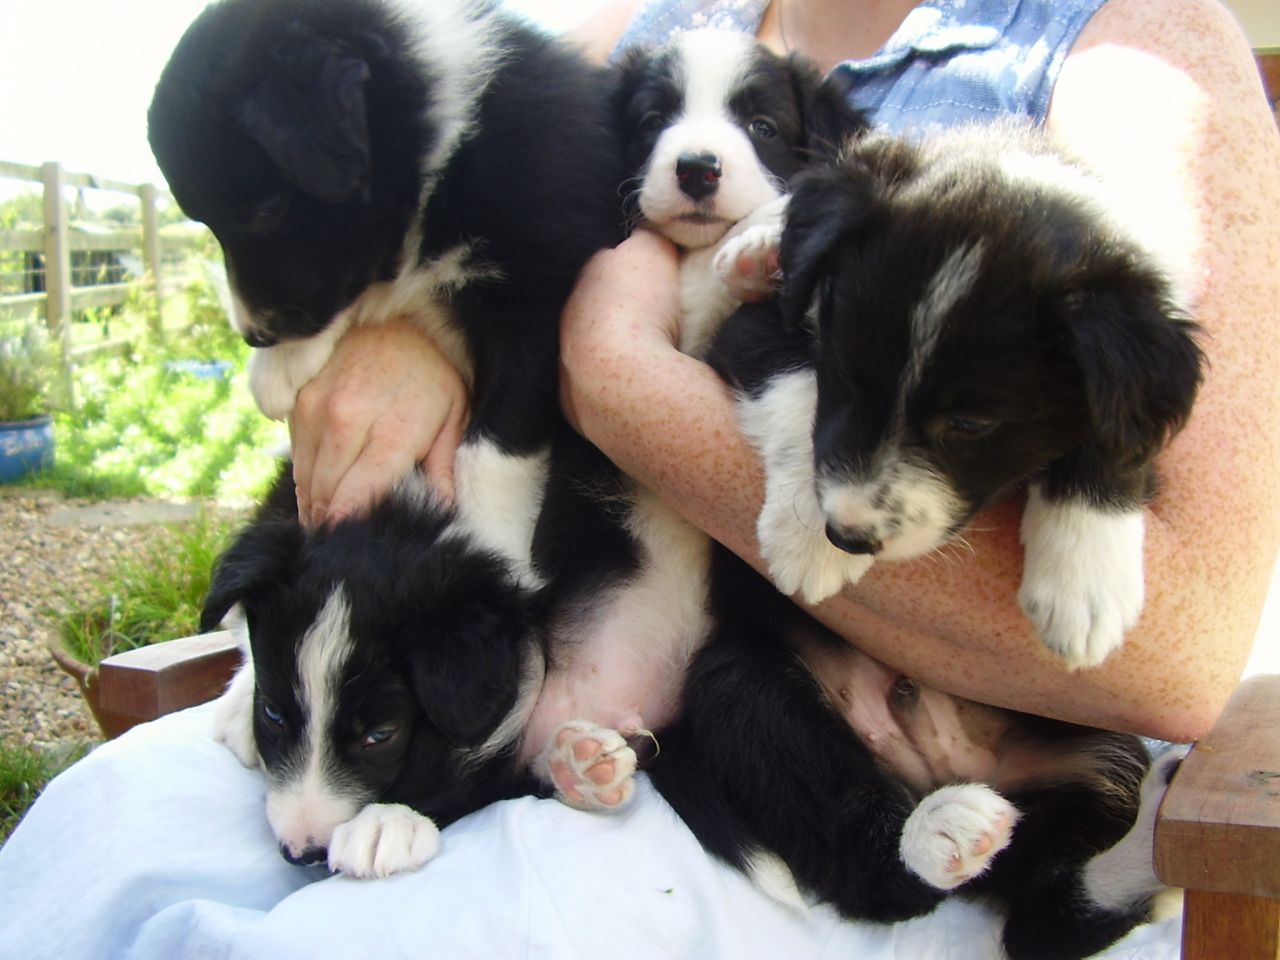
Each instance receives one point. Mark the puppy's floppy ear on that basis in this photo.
(1140, 363)
(825, 207)
(828, 119)
(467, 677)
(308, 113)
(262, 557)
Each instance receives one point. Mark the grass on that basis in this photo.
(152, 596)
(24, 773)
(142, 428)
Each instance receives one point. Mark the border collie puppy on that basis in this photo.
(365, 159)
(714, 127)
(389, 664)
(399, 675)
(825, 775)
(792, 755)
(961, 318)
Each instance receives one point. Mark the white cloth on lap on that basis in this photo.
(156, 847)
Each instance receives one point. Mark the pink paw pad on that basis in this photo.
(590, 766)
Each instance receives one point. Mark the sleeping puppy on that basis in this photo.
(826, 776)
(365, 159)
(1016, 334)
(400, 675)
(714, 127)
(793, 756)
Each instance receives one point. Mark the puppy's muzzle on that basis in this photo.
(307, 858)
(698, 174)
(853, 541)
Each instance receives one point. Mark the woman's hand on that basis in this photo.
(386, 402)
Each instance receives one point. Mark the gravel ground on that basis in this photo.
(47, 565)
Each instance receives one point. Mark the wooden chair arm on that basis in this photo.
(140, 685)
(1218, 832)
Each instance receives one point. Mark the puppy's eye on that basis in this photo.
(274, 716)
(651, 122)
(269, 214)
(379, 736)
(972, 427)
(763, 128)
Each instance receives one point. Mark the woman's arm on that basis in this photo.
(1159, 97)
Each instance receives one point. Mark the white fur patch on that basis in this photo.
(233, 715)
(792, 527)
(1082, 580)
(711, 287)
(955, 833)
(499, 496)
(953, 280)
(1125, 875)
(771, 874)
(381, 840)
(304, 803)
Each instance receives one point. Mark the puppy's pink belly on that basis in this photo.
(616, 679)
(929, 739)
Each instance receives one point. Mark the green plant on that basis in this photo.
(26, 371)
(24, 772)
(152, 596)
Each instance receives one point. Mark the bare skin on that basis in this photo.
(1165, 101)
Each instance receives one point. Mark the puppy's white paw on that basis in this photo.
(747, 263)
(1082, 582)
(382, 839)
(802, 559)
(233, 716)
(591, 767)
(1125, 874)
(955, 832)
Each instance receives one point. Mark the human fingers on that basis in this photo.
(373, 413)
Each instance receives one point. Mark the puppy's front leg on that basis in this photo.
(791, 527)
(1082, 580)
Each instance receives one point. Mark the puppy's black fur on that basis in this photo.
(439, 638)
(333, 146)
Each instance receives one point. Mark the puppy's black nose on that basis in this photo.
(698, 174)
(853, 541)
(307, 858)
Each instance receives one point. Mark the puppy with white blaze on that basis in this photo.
(360, 160)
(792, 756)
(963, 318)
(714, 127)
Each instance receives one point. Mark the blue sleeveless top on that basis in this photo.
(950, 62)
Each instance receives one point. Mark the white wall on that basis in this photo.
(1260, 19)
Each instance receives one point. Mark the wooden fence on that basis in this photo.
(54, 292)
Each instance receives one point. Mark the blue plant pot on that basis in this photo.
(25, 447)
(201, 369)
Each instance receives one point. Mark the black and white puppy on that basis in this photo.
(966, 316)
(389, 664)
(714, 128)
(825, 775)
(365, 159)
(792, 755)
(400, 675)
